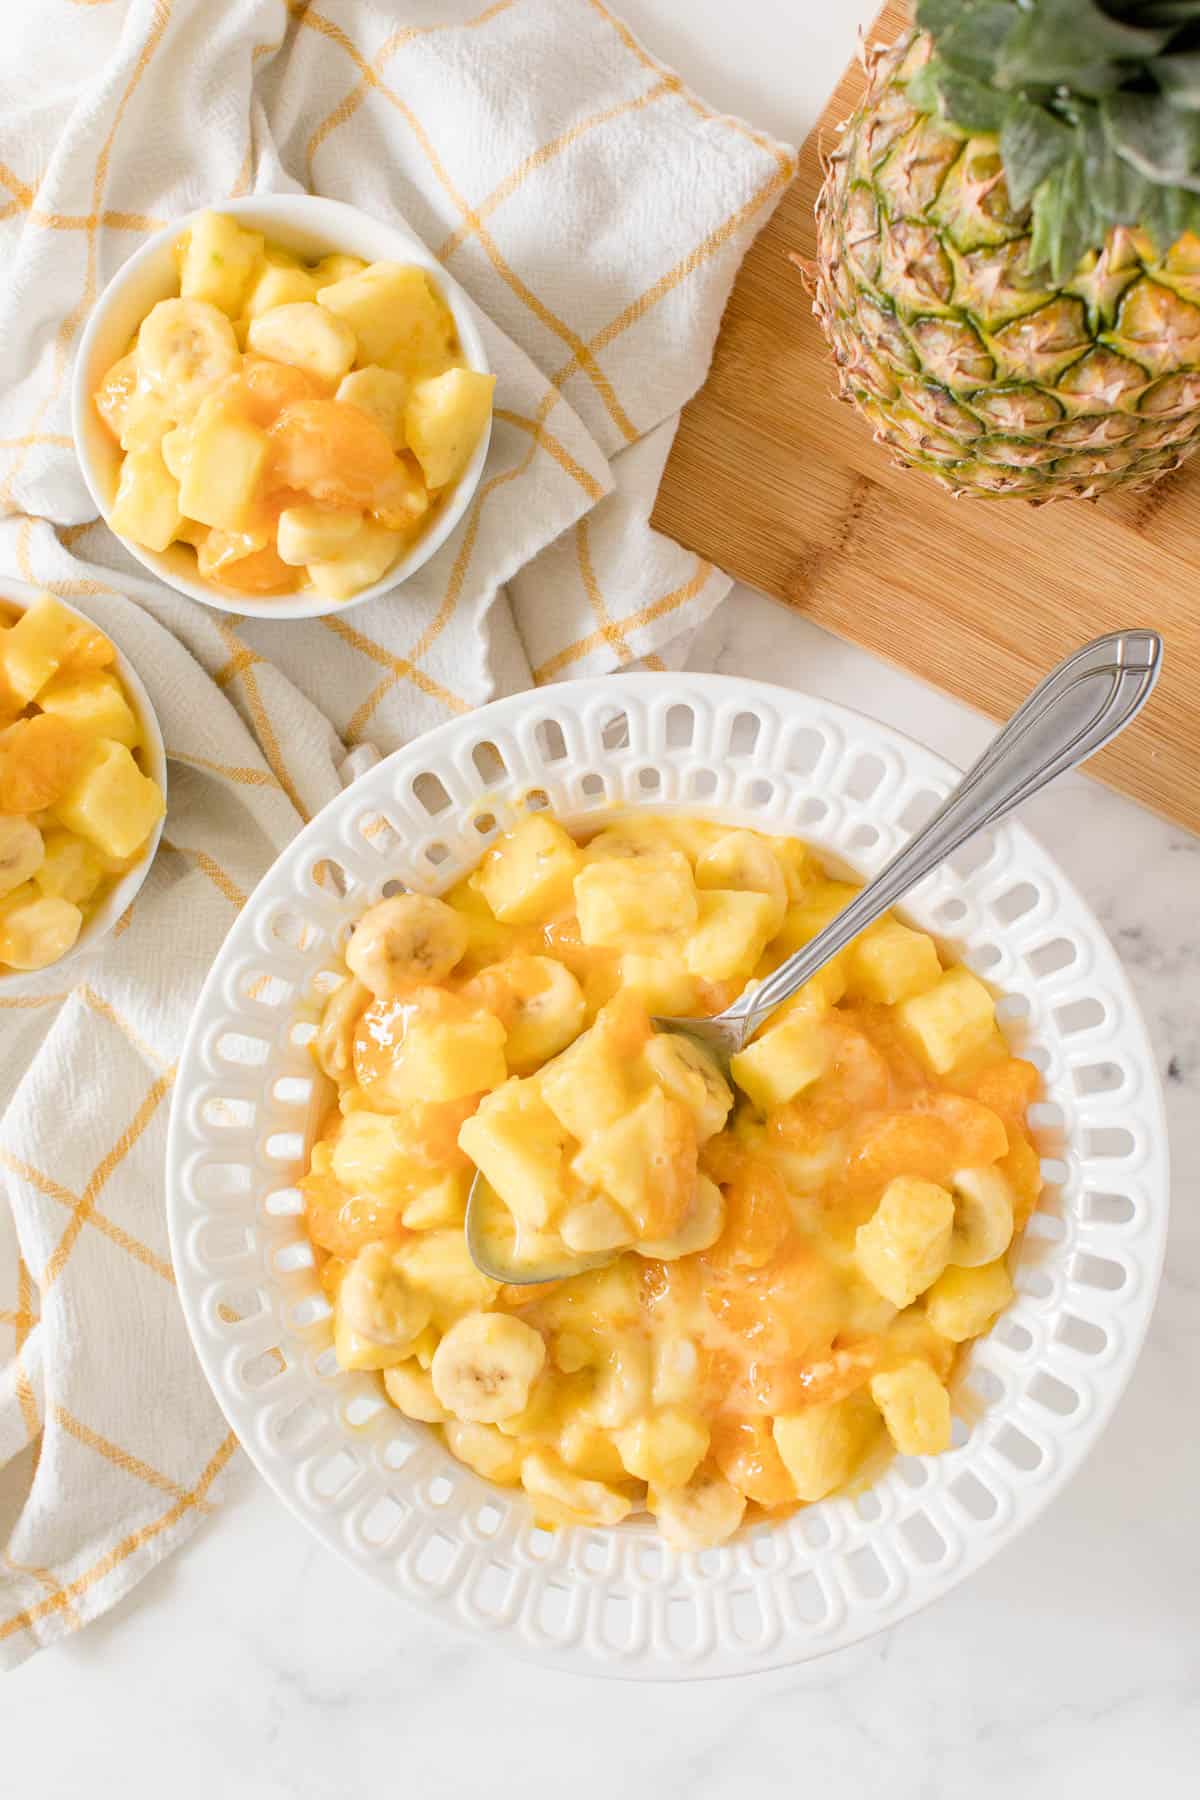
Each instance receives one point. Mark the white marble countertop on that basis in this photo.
(254, 1667)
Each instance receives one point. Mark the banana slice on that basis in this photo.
(21, 852)
(485, 1450)
(485, 1366)
(410, 1388)
(741, 860)
(185, 347)
(702, 1226)
(689, 1074)
(621, 1389)
(539, 1003)
(36, 933)
(379, 1302)
(594, 1225)
(413, 938)
(696, 1517)
(983, 1217)
(333, 1046)
(561, 1498)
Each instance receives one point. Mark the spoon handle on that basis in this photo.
(1077, 709)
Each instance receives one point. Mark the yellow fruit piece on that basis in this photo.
(219, 260)
(962, 1303)
(110, 802)
(915, 1408)
(623, 897)
(517, 1143)
(526, 876)
(589, 1451)
(225, 466)
(562, 1498)
(626, 1160)
(383, 393)
(39, 759)
(148, 417)
(484, 1449)
(440, 1262)
(892, 963)
(353, 1351)
(813, 910)
(444, 421)
(315, 534)
(666, 1448)
(336, 268)
(822, 1446)
(777, 1066)
(365, 560)
(32, 649)
(305, 336)
(374, 1155)
(71, 869)
(401, 500)
(113, 395)
(955, 1017)
(661, 981)
(445, 1061)
(396, 316)
(905, 1245)
(35, 931)
(94, 702)
(442, 1204)
(586, 1088)
(730, 935)
(22, 853)
(278, 286)
(147, 506)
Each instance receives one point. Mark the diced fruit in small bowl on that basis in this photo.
(83, 781)
(282, 407)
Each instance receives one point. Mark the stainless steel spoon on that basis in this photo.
(1080, 707)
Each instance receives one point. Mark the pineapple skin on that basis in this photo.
(968, 363)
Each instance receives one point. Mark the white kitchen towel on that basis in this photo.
(596, 211)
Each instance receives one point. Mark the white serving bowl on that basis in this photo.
(380, 1489)
(19, 596)
(312, 227)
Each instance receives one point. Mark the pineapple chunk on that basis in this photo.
(527, 876)
(225, 465)
(110, 802)
(905, 1244)
(915, 1408)
(147, 507)
(775, 1068)
(586, 1088)
(517, 1144)
(116, 390)
(315, 534)
(645, 1162)
(445, 419)
(365, 560)
(963, 1302)
(279, 286)
(94, 702)
(337, 268)
(624, 897)
(382, 394)
(956, 1015)
(447, 1061)
(732, 933)
(892, 963)
(32, 649)
(822, 1446)
(219, 261)
(814, 909)
(146, 419)
(394, 313)
(660, 980)
(442, 1204)
(440, 1263)
(320, 343)
(665, 1448)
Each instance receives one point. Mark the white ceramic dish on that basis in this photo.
(312, 227)
(380, 1489)
(19, 595)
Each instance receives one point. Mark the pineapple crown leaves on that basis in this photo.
(1096, 104)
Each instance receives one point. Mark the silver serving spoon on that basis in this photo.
(1081, 706)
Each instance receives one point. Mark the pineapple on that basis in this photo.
(1008, 247)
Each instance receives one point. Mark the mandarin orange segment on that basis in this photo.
(792, 1384)
(904, 1143)
(757, 1219)
(86, 648)
(265, 388)
(1023, 1166)
(39, 759)
(979, 1133)
(744, 1451)
(342, 1223)
(333, 452)
(1009, 1088)
(259, 571)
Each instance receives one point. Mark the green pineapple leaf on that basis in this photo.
(1073, 44)
(1178, 77)
(1160, 142)
(1032, 143)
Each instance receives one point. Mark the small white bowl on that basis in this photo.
(313, 228)
(18, 596)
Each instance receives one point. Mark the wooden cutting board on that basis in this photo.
(774, 480)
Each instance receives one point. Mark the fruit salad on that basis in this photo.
(794, 1259)
(77, 808)
(298, 425)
